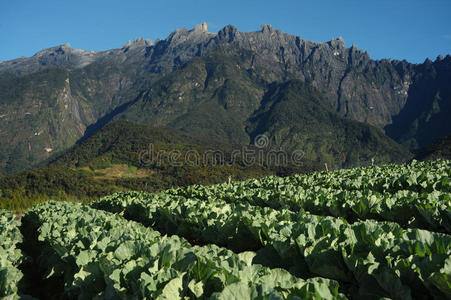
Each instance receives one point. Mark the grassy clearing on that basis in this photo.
(117, 171)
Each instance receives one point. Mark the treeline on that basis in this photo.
(79, 173)
(20, 191)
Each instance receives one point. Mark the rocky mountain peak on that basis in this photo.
(197, 34)
(267, 28)
(237, 67)
(338, 43)
(201, 27)
(186, 40)
(61, 49)
(228, 33)
(128, 44)
(138, 42)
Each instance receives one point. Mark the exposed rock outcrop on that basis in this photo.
(411, 101)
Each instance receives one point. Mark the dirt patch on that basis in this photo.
(122, 171)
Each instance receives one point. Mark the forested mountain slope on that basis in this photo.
(50, 100)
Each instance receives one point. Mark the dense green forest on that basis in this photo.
(117, 158)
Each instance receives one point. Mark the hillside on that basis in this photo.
(297, 116)
(216, 97)
(425, 117)
(48, 111)
(439, 149)
(50, 100)
(125, 156)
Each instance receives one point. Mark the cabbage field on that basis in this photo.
(365, 233)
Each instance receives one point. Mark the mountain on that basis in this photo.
(125, 156)
(160, 148)
(215, 96)
(425, 116)
(297, 116)
(50, 100)
(439, 149)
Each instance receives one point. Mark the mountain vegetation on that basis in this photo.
(216, 97)
(123, 156)
(217, 84)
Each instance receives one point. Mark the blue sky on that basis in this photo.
(398, 29)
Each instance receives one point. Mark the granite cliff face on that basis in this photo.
(425, 116)
(215, 96)
(47, 111)
(65, 90)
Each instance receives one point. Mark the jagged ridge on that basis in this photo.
(374, 92)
